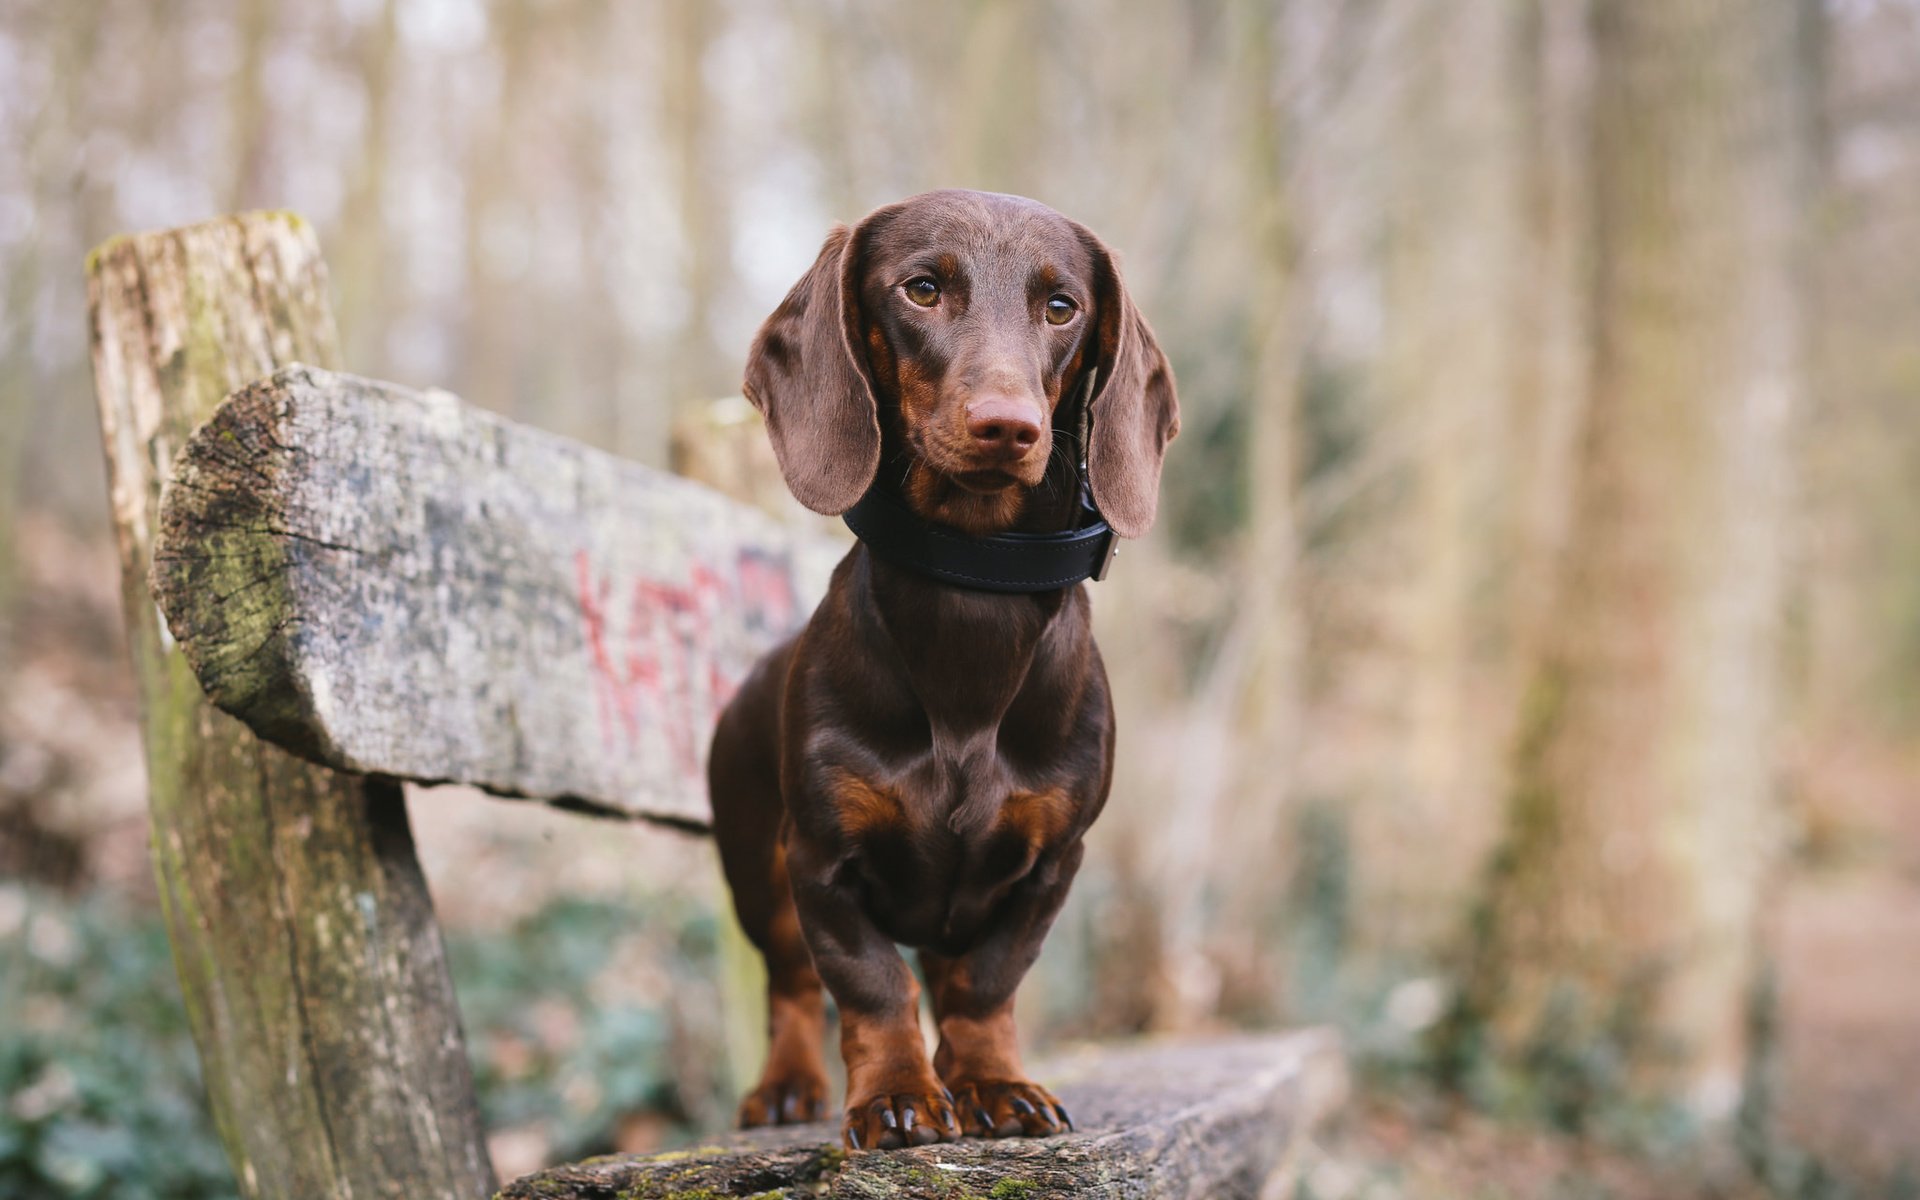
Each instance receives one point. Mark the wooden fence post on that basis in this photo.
(314, 974)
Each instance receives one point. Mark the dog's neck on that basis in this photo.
(969, 653)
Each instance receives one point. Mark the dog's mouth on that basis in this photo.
(979, 500)
(986, 481)
(976, 474)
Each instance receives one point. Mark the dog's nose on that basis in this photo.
(1003, 426)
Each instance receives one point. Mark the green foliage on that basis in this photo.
(101, 1084)
(1338, 434)
(1321, 903)
(1414, 1036)
(614, 1055)
(100, 1095)
(1204, 495)
(1570, 1073)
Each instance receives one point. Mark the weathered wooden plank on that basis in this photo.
(314, 975)
(395, 582)
(1220, 1120)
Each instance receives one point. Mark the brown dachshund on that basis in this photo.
(919, 764)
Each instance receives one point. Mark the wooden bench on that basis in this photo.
(358, 584)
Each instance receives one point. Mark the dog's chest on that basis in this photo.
(931, 875)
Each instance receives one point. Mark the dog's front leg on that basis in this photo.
(894, 1098)
(979, 1054)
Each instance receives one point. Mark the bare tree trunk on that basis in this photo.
(998, 115)
(1549, 313)
(1267, 730)
(248, 105)
(17, 374)
(1451, 237)
(827, 115)
(1218, 862)
(493, 359)
(699, 371)
(364, 295)
(1640, 826)
(45, 446)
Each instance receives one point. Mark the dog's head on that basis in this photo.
(966, 322)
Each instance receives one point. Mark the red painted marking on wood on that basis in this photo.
(766, 589)
(670, 628)
(612, 693)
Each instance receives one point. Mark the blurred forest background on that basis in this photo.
(1524, 673)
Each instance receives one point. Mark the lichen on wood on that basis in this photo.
(1211, 1120)
(314, 976)
(394, 582)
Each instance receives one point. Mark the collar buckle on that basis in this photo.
(1106, 556)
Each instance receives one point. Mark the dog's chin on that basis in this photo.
(974, 501)
(988, 481)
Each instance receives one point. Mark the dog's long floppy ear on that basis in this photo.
(807, 373)
(1136, 411)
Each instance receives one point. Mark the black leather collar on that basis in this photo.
(1005, 562)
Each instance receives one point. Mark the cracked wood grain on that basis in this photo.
(394, 582)
(315, 980)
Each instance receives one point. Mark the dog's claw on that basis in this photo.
(1010, 1108)
(889, 1122)
(793, 1100)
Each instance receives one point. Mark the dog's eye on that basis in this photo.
(922, 291)
(1060, 310)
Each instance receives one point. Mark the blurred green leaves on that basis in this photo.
(563, 1040)
(102, 1088)
(99, 1085)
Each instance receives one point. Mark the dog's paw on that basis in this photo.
(1009, 1108)
(890, 1121)
(789, 1100)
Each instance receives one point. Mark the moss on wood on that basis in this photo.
(314, 977)
(393, 582)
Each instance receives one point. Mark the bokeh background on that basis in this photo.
(1524, 673)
